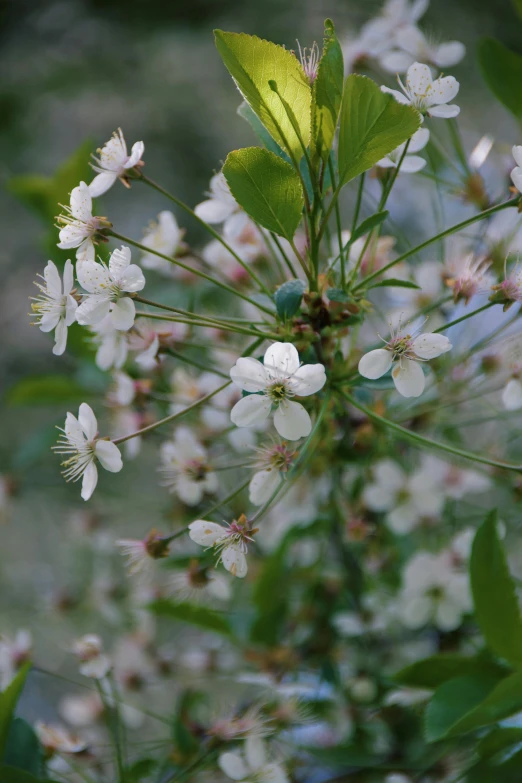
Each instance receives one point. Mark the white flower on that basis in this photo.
(406, 351)
(109, 288)
(279, 378)
(56, 739)
(112, 345)
(114, 163)
(92, 661)
(512, 395)
(221, 207)
(163, 237)
(516, 174)
(427, 96)
(433, 592)
(54, 306)
(275, 460)
(185, 467)
(411, 163)
(83, 448)
(79, 226)
(407, 499)
(468, 275)
(413, 45)
(252, 764)
(230, 542)
(141, 553)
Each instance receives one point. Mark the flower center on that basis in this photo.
(278, 392)
(400, 346)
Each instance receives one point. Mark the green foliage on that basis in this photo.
(452, 701)
(259, 129)
(504, 700)
(496, 604)
(502, 72)
(23, 751)
(10, 774)
(393, 282)
(437, 669)
(267, 187)
(8, 701)
(253, 63)
(194, 615)
(373, 124)
(327, 93)
(45, 390)
(369, 224)
(288, 298)
(337, 295)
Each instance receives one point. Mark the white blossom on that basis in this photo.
(411, 163)
(426, 95)
(79, 226)
(56, 739)
(163, 236)
(93, 663)
(512, 395)
(141, 554)
(108, 289)
(412, 45)
(516, 174)
(55, 306)
(185, 469)
(82, 448)
(114, 162)
(230, 542)
(279, 378)
(251, 764)
(221, 207)
(111, 344)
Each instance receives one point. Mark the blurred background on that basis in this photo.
(72, 72)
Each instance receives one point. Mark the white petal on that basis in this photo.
(395, 61)
(119, 261)
(234, 561)
(214, 211)
(93, 310)
(411, 39)
(375, 363)
(379, 497)
(417, 611)
(449, 53)
(109, 455)
(255, 753)
(102, 183)
(447, 615)
(292, 421)
(85, 251)
(272, 773)
(93, 277)
(263, 485)
(386, 163)
(205, 533)
(89, 481)
(281, 359)
(60, 338)
(123, 313)
(49, 321)
(442, 90)
(87, 421)
(389, 473)
(399, 96)
(133, 279)
(419, 140)
(52, 279)
(429, 345)
(233, 766)
(308, 379)
(136, 155)
(512, 395)
(444, 112)
(71, 307)
(412, 163)
(189, 491)
(517, 154)
(419, 80)
(251, 410)
(403, 519)
(73, 431)
(249, 374)
(81, 202)
(408, 378)
(68, 277)
(516, 177)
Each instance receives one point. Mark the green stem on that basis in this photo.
(464, 317)
(114, 727)
(226, 327)
(188, 314)
(226, 500)
(451, 230)
(285, 257)
(338, 225)
(194, 363)
(405, 434)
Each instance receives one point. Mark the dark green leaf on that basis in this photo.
(337, 295)
(143, 768)
(45, 390)
(23, 749)
(432, 672)
(367, 225)
(498, 740)
(502, 72)
(327, 93)
(373, 124)
(8, 701)
(496, 605)
(267, 187)
(288, 298)
(192, 614)
(452, 701)
(393, 282)
(504, 700)
(10, 774)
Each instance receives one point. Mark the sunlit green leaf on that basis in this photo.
(370, 223)
(327, 93)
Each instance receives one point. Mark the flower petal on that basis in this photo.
(60, 338)
(87, 421)
(517, 154)
(119, 261)
(442, 90)
(93, 310)
(418, 79)
(262, 486)
(292, 421)
(412, 163)
(249, 374)
(123, 313)
(399, 96)
(375, 363)
(89, 481)
(234, 561)
(52, 279)
(73, 431)
(444, 112)
(68, 277)
(255, 753)
(512, 395)
(449, 53)
(516, 177)
(308, 379)
(233, 766)
(138, 148)
(429, 345)
(205, 533)
(93, 277)
(408, 378)
(109, 455)
(102, 183)
(214, 211)
(419, 140)
(81, 202)
(281, 359)
(250, 410)
(132, 280)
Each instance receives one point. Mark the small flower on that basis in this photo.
(114, 163)
(230, 542)
(55, 306)
(406, 351)
(516, 174)
(112, 346)
(512, 395)
(93, 663)
(163, 237)
(109, 289)
(468, 276)
(141, 554)
(413, 45)
(221, 207)
(200, 584)
(509, 290)
(185, 468)
(82, 446)
(56, 739)
(80, 229)
(279, 378)
(252, 764)
(410, 163)
(310, 59)
(427, 96)
(275, 461)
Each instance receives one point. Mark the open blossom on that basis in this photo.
(199, 584)
(93, 663)
(111, 345)
(405, 353)
(230, 542)
(56, 739)
(411, 45)
(55, 306)
(411, 163)
(163, 236)
(80, 228)
(274, 461)
(251, 764)
(109, 289)
(141, 554)
(185, 469)
(426, 95)
(221, 207)
(516, 174)
(82, 448)
(468, 276)
(114, 163)
(278, 378)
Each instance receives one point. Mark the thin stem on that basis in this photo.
(226, 327)
(358, 202)
(226, 500)
(464, 317)
(338, 225)
(194, 363)
(190, 269)
(115, 731)
(451, 230)
(406, 434)
(287, 261)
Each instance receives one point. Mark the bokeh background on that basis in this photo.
(72, 72)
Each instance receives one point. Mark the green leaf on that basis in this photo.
(267, 187)
(8, 701)
(337, 295)
(253, 63)
(327, 93)
(259, 129)
(288, 298)
(45, 390)
(496, 605)
(452, 701)
(192, 614)
(10, 774)
(499, 739)
(393, 282)
(502, 71)
(23, 749)
(432, 672)
(373, 124)
(504, 700)
(367, 225)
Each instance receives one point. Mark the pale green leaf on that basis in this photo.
(327, 93)
(394, 282)
(368, 224)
